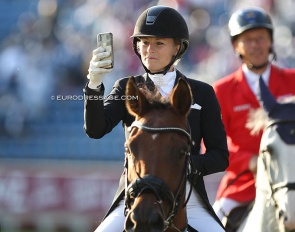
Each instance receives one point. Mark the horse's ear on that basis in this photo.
(181, 97)
(135, 100)
(266, 99)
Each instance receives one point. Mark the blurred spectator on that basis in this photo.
(27, 72)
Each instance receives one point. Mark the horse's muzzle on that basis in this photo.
(151, 221)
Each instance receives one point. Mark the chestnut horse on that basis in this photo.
(157, 159)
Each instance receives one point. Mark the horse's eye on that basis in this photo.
(268, 149)
(183, 153)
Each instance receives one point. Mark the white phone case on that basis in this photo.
(106, 40)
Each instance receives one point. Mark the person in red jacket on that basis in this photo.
(251, 32)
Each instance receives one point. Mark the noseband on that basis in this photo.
(157, 186)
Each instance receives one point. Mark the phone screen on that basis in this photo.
(106, 40)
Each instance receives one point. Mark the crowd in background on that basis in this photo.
(46, 50)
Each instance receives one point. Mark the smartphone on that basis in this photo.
(106, 40)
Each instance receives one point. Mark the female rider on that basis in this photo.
(160, 39)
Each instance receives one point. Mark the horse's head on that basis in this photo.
(156, 158)
(277, 157)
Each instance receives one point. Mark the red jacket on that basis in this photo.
(236, 99)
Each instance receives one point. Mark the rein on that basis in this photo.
(158, 186)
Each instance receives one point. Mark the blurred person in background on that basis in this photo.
(23, 97)
(159, 46)
(251, 31)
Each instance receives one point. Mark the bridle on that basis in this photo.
(290, 186)
(157, 186)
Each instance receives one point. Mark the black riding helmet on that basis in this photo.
(164, 22)
(250, 18)
(246, 19)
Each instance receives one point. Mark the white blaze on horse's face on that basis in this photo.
(154, 136)
(279, 159)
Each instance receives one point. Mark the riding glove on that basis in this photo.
(96, 69)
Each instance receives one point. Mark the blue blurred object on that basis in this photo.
(10, 11)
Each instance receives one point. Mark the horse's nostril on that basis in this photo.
(129, 223)
(157, 222)
(285, 218)
(147, 223)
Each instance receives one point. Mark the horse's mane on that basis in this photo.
(257, 118)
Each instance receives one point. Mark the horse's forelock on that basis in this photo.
(257, 120)
(156, 100)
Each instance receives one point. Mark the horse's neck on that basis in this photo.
(262, 216)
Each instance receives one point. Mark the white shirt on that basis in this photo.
(253, 78)
(164, 83)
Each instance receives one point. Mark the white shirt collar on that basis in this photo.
(253, 78)
(164, 83)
